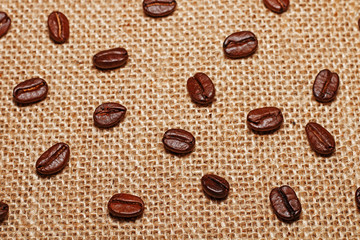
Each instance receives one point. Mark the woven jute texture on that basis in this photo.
(129, 158)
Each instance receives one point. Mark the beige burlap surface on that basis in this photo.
(164, 53)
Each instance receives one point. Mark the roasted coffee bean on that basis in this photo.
(240, 44)
(59, 27)
(159, 8)
(357, 197)
(215, 186)
(265, 119)
(53, 160)
(4, 211)
(109, 114)
(359, 22)
(126, 205)
(112, 58)
(178, 141)
(277, 6)
(326, 86)
(285, 203)
(320, 140)
(5, 23)
(201, 89)
(30, 91)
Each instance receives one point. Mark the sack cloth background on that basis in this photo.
(163, 54)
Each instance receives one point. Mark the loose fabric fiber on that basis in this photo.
(130, 158)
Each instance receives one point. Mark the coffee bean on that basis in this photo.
(359, 23)
(277, 6)
(4, 211)
(320, 140)
(110, 59)
(53, 160)
(5, 23)
(215, 186)
(59, 28)
(357, 197)
(326, 86)
(201, 89)
(126, 206)
(30, 91)
(178, 141)
(285, 203)
(265, 119)
(159, 8)
(240, 44)
(109, 114)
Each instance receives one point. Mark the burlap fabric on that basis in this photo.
(164, 53)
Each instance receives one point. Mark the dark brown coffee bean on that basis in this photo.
(240, 44)
(178, 141)
(4, 211)
(265, 119)
(53, 160)
(277, 6)
(215, 186)
(112, 58)
(201, 89)
(59, 27)
(30, 91)
(109, 114)
(320, 140)
(285, 203)
(5, 23)
(326, 86)
(126, 206)
(359, 23)
(159, 8)
(357, 197)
